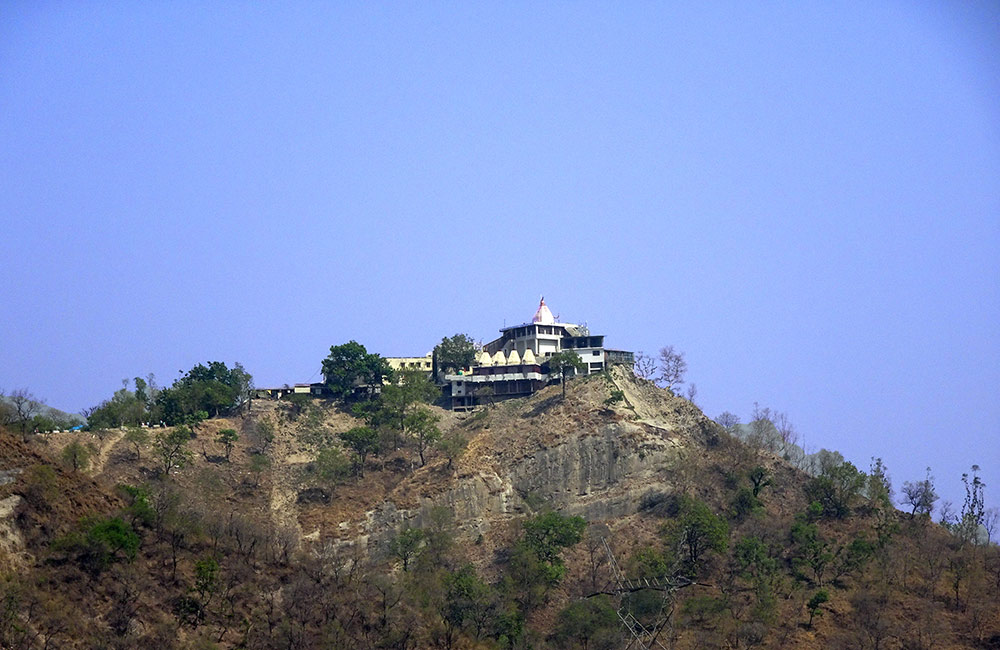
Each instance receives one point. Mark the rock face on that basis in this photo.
(601, 476)
(11, 542)
(598, 463)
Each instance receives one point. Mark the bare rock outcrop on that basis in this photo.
(582, 457)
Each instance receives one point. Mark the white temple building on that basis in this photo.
(513, 365)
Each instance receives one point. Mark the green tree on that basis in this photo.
(406, 545)
(697, 531)
(350, 365)
(547, 534)
(878, 487)
(228, 438)
(753, 563)
(836, 489)
(102, 542)
(452, 445)
(649, 562)
(920, 495)
(811, 550)
(536, 564)
(141, 391)
(125, 408)
(421, 426)
(455, 352)
(760, 478)
(331, 465)
(363, 441)
(76, 455)
(813, 606)
(744, 504)
(398, 400)
(170, 448)
(214, 389)
(469, 603)
(562, 363)
(591, 624)
(260, 434)
(138, 438)
(973, 508)
(193, 420)
(258, 463)
(852, 557)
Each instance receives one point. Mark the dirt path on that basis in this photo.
(283, 493)
(104, 448)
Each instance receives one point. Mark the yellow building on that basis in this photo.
(425, 363)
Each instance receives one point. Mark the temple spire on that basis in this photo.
(544, 315)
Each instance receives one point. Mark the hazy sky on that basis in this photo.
(804, 197)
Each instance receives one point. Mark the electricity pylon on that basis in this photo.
(640, 635)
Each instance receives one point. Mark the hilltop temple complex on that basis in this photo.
(514, 365)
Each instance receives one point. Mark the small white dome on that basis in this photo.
(513, 359)
(499, 359)
(484, 359)
(529, 357)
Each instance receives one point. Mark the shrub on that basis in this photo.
(100, 543)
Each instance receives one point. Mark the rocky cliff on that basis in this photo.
(614, 443)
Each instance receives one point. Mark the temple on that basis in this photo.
(514, 365)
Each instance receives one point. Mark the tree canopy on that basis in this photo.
(350, 365)
(561, 362)
(455, 352)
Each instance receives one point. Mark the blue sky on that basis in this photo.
(805, 198)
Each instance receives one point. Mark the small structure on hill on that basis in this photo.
(514, 365)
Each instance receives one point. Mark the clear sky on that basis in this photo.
(803, 197)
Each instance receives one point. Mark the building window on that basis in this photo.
(597, 353)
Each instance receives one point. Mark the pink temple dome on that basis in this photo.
(544, 315)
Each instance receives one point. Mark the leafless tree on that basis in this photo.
(872, 624)
(593, 539)
(786, 430)
(763, 433)
(692, 392)
(672, 367)
(990, 520)
(26, 406)
(947, 516)
(7, 413)
(644, 366)
(728, 421)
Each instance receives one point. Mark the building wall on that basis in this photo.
(424, 363)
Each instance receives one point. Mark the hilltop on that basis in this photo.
(280, 542)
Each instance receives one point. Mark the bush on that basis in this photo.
(40, 486)
(332, 466)
(101, 543)
(139, 507)
(589, 623)
(616, 396)
(745, 504)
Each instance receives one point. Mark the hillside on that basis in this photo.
(281, 544)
